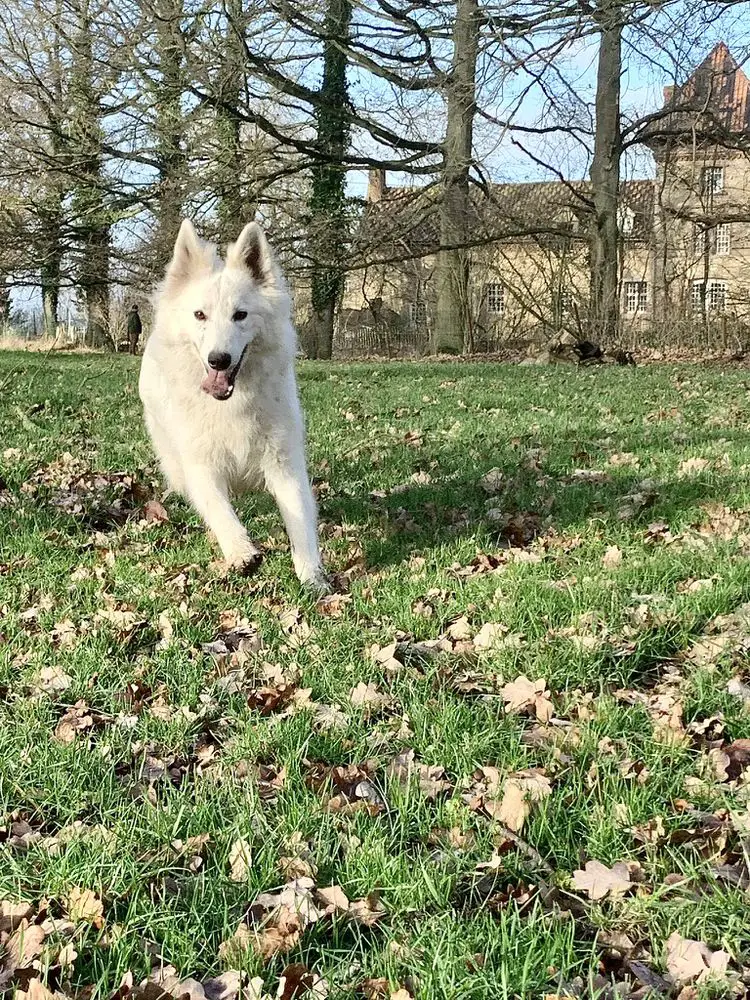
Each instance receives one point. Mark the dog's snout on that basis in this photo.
(219, 360)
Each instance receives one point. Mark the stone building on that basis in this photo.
(685, 240)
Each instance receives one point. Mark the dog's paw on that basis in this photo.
(319, 584)
(245, 563)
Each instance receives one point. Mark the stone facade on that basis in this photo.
(685, 239)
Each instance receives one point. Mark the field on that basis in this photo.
(510, 762)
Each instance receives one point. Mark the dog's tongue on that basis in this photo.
(217, 384)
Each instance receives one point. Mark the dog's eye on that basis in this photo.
(239, 315)
(200, 315)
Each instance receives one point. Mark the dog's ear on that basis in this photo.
(190, 256)
(251, 251)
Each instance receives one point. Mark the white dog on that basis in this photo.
(220, 396)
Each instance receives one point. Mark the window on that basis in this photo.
(713, 180)
(711, 295)
(723, 242)
(494, 298)
(625, 220)
(636, 296)
(418, 314)
(699, 239)
(565, 298)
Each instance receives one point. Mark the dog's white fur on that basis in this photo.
(209, 448)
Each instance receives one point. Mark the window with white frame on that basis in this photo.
(710, 295)
(636, 296)
(494, 298)
(723, 238)
(418, 314)
(625, 220)
(565, 298)
(713, 180)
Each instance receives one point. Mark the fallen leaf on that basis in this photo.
(12, 914)
(240, 860)
(366, 911)
(432, 779)
(492, 481)
(522, 695)
(598, 881)
(84, 906)
(369, 696)
(689, 961)
(297, 980)
(333, 898)
(612, 557)
(521, 791)
(155, 512)
(53, 680)
(692, 467)
(23, 946)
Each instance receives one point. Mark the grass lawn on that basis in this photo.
(541, 664)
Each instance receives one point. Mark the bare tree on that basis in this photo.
(452, 320)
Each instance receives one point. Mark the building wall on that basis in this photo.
(545, 281)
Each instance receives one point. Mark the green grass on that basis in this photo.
(591, 631)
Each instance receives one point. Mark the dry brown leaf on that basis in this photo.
(432, 778)
(693, 961)
(36, 990)
(521, 791)
(692, 467)
(386, 656)
(84, 906)
(332, 605)
(369, 696)
(612, 557)
(76, 720)
(327, 717)
(297, 980)
(366, 911)
(491, 636)
(155, 512)
(23, 946)
(492, 481)
(53, 680)
(333, 898)
(11, 914)
(240, 860)
(523, 695)
(598, 881)
(460, 630)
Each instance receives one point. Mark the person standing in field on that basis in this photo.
(135, 329)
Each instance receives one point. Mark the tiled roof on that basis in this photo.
(533, 211)
(715, 98)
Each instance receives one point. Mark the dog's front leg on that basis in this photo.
(210, 497)
(287, 482)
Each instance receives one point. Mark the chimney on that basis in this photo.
(668, 94)
(376, 186)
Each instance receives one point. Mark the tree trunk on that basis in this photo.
(49, 273)
(322, 330)
(329, 230)
(452, 272)
(92, 213)
(50, 301)
(170, 127)
(605, 178)
(234, 207)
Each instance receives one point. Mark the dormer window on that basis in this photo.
(713, 180)
(625, 220)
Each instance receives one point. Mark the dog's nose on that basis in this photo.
(219, 360)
